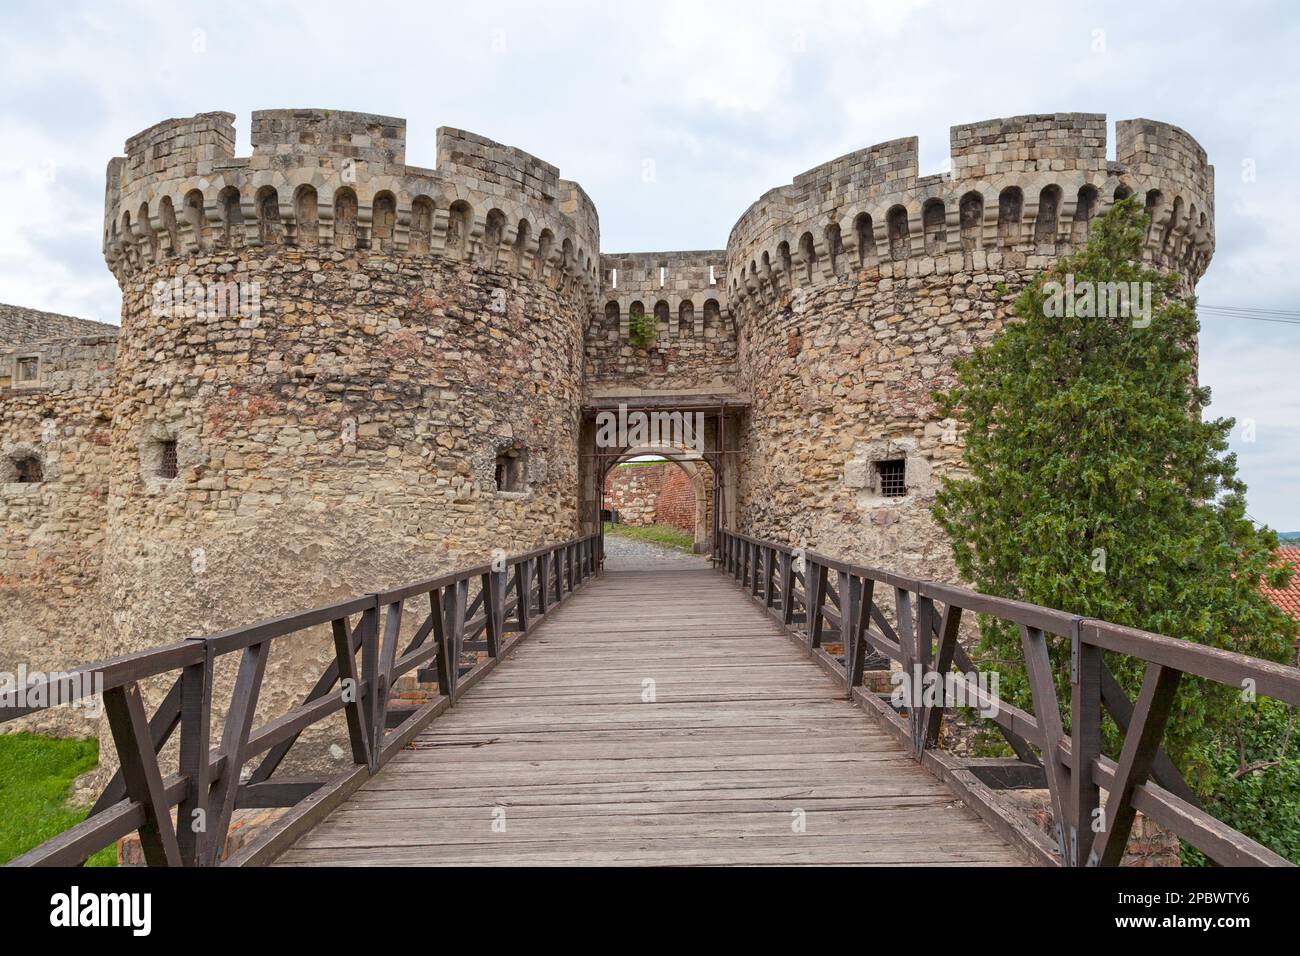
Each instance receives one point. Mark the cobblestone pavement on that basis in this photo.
(622, 554)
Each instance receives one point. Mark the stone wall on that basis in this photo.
(632, 492)
(676, 502)
(19, 325)
(646, 494)
(54, 433)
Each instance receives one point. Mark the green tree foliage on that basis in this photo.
(1256, 778)
(642, 330)
(1095, 486)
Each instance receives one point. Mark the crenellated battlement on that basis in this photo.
(379, 141)
(1046, 142)
(1021, 192)
(334, 180)
(683, 290)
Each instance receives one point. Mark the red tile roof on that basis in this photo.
(1288, 599)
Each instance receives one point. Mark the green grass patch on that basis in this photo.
(36, 774)
(666, 536)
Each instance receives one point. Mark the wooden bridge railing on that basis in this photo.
(798, 589)
(482, 609)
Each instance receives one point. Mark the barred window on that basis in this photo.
(167, 464)
(511, 471)
(29, 369)
(892, 477)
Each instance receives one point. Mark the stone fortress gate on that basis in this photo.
(389, 370)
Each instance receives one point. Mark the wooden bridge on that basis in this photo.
(668, 717)
(692, 731)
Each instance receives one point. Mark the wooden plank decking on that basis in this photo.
(556, 759)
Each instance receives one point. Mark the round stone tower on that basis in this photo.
(855, 287)
(336, 372)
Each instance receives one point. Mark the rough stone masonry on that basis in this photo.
(337, 372)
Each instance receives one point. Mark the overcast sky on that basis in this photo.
(727, 99)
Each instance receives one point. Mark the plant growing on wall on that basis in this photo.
(1097, 487)
(642, 329)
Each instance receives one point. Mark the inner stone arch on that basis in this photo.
(648, 493)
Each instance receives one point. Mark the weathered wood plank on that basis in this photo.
(655, 718)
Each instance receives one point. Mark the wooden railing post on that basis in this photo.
(907, 643)
(523, 592)
(815, 579)
(787, 588)
(370, 670)
(925, 628)
(1038, 668)
(947, 629)
(387, 653)
(1085, 742)
(855, 653)
(196, 739)
(358, 718)
(454, 597)
(850, 621)
(493, 584)
(543, 569)
(769, 559)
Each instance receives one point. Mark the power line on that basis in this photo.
(1246, 308)
(1277, 316)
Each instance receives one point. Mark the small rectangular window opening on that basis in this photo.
(29, 471)
(167, 463)
(29, 369)
(892, 476)
(510, 471)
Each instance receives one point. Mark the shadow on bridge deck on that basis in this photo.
(658, 717)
